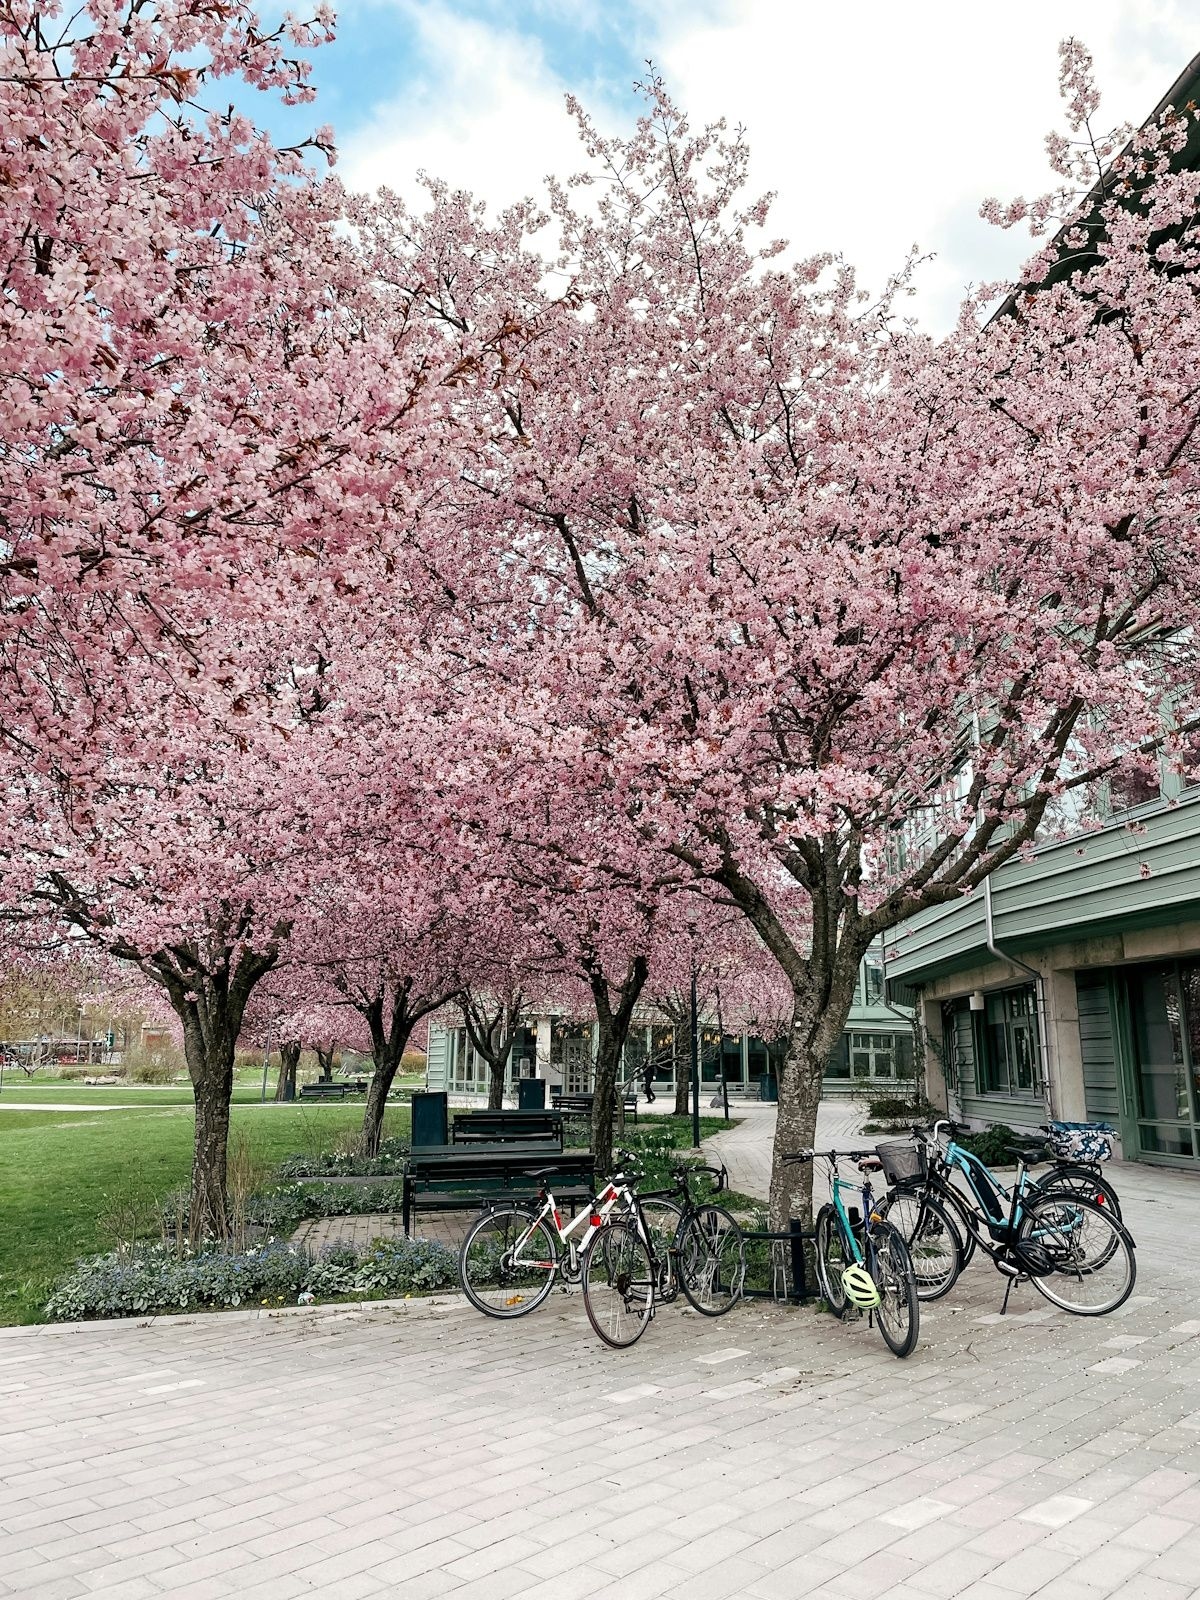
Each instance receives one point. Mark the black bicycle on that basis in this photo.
(1075, 1251)
(631, 1264)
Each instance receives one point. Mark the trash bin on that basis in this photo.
(430, 1118)
(531, 1094)
(289, 1088)
(768, 1087)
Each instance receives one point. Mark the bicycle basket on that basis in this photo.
(902, 1162)
(1080, 1141)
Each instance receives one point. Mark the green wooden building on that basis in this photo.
(874, 1058)
(1070, 985)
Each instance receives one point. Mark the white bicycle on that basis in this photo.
(513, 1253)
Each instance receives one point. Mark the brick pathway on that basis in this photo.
(746, 1149)
(417, 1450)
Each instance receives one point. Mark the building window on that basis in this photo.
(880, 1056)
(838, 1065)
(872, 975)
(1010, 1063)
(467, 1071)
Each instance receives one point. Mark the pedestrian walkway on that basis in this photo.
(746, 1149)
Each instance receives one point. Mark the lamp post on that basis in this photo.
(266, 1063)
(695, 1060)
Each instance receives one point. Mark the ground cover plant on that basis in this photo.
(155, 1278)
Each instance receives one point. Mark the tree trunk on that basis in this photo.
(683, 1076)
(209, 1036)
(818, 1021)
(613, 1030)
(289, 1060)
(208, 1217)
(371, 1134)
(389, 1036)
(496, 1083)
(608, 1056)
(325, 1062)
(800, 1078)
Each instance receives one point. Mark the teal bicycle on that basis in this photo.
(862, 1261)
(1071, 1245)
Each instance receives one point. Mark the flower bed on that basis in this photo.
(155, 1278)
(388, 1163)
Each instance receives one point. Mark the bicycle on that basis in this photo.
(629, 1268)
(861, 1259)
(513, 1253)
(931, 1211)
(1061, 1241)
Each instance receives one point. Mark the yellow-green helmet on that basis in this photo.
(859, 1288)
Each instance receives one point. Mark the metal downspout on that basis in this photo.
(1039, 990)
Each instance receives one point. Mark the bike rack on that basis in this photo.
(794, 1237)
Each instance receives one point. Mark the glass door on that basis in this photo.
(577, 1065)
(1164, 1016)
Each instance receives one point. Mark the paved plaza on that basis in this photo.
(417, 1450)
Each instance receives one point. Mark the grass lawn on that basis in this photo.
(247, 1090)
(71, 1181)
(64, 1175)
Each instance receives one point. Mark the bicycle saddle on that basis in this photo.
(870, 1164)
(1031, 1155)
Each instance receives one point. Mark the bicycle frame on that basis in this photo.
(997, 1209)
(863, 1254)
(594, 1214)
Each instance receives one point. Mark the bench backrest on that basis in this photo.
(475, 1163)
(500, 1127)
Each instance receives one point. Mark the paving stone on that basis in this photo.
(417, 1450)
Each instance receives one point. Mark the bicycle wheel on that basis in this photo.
(618, 1283)
(1092, 1269)
(1085, 1183)
(898, 1312)
(933, 1239)
(498, 1278)
(831, 1260)
(662, 1219)
(712, 1260)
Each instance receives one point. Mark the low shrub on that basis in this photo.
(899, 1110)
(281, 1209)
(346, 1164)
(156, 1279)
(285, 1207)
(151, 1069)
(388, 1267)
(991, 1145)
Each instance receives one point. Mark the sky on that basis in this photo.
(879, 126)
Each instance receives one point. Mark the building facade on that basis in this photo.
(875, 1056)
(1069, 985)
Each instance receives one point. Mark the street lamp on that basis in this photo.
(695, 1060)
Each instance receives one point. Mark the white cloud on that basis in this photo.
(486, 114)
(880, 126)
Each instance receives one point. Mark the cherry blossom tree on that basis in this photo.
(829, 613)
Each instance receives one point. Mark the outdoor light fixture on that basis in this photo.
(977, 1000)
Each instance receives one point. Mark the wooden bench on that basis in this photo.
(580, 1105)
(508, 1127)
(457, 1178)
(332, 1088)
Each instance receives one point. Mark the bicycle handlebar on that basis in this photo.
(802, 1156)
(682, 1173)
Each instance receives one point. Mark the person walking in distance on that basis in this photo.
(648, 1082)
